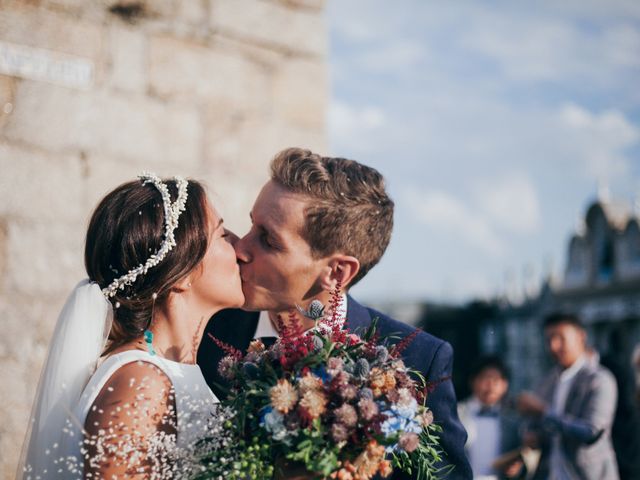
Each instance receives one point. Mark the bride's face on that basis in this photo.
(216, 281)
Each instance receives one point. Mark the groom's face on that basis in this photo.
(276, 265)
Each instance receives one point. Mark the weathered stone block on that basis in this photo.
(122, 126)
(36, 27)
(38, 186)
(300, 93)
(278, 25)
(3, 254)
(312, 4)
(104, 174)
(190, 72)
(234, 196)
(194, 12)
(44, 257)
(128, 59)
(7, 92)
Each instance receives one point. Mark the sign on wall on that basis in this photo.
(45, 65)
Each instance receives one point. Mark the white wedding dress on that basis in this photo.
(195, 411)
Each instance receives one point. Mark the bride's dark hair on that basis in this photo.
(126, 228)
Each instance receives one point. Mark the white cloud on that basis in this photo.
(445, 213)
(599, 141)
(353, 125)
(550, 45)
(511, 202)
(506, 118)
(398, 55)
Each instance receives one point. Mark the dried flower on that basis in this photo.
(346, 415)
(348, 391)
(368, 461)
(226, 367)
(426, 418)
(341, 378)
(256, 346)
(339, 432)
(381, 353)
(313, 403)
(409, 441)
(368, 408)
(334, 366)
(384, 468)
(309, 382)
(366, 393)
(381, 381)
(283, 396)
(362, 368)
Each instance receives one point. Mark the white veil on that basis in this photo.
(78, 340)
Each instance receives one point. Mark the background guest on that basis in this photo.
(573, 409)
(492, 429)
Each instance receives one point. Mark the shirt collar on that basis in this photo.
(266, 329)
(569, 373)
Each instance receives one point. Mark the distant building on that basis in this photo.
(601, 284)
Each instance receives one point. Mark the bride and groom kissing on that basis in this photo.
(132, 346)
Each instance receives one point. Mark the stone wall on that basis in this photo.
(92, 93)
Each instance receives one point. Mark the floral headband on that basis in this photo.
(172, 211)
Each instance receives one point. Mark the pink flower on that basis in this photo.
(346, 415)
(226, 367)
(368, 408)
(409, 441)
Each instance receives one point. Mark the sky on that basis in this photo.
(495, 125)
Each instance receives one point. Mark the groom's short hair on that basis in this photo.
(349, 210)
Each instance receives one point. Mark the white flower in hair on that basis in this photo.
(172, 211)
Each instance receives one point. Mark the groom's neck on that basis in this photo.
(293, 319)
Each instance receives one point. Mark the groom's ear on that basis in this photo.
(340, 268)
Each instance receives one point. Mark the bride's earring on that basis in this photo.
(148, 338)
(148, 334)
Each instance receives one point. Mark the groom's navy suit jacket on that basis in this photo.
(428, 354)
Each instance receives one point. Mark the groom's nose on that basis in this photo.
(242, 249)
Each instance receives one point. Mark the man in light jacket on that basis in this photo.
(573, 408)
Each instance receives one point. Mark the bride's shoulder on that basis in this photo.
(135, 405)
(134, 390)
(136, 376)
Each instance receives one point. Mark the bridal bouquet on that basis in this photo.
(337, 404)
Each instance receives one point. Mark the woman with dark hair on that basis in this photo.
(120, 382)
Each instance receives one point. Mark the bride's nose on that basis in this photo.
(242, 250)
(232, 238)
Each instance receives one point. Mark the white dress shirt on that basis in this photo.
(484, 441)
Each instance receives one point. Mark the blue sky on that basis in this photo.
(494, 123)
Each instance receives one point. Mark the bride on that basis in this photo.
(120, 385)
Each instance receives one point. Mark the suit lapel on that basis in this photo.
(358, 317)
(576, 394)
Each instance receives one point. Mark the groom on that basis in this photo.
(319, 223)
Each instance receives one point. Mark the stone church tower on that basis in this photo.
(92, 92)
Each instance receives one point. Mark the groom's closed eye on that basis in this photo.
(267, 239)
